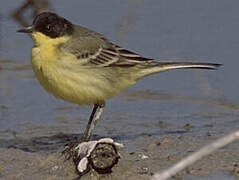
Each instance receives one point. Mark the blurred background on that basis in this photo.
(169, 102)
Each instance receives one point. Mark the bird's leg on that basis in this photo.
(85, 152)
(94, 117)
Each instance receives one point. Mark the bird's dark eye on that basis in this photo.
(48, 27)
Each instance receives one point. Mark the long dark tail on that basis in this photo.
(165, 66)
(179, 65)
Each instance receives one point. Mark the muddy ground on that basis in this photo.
(41, 158)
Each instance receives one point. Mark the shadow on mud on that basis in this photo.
(50, 144)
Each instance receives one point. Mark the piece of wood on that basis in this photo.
(104, 157)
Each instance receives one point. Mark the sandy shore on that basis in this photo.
(140, 160)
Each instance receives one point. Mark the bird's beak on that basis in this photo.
(28, 29)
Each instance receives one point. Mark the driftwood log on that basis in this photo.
(104, 157)
(101, 155)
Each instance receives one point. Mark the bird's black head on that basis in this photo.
(50, 24)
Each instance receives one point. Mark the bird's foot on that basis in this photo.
(69, 151)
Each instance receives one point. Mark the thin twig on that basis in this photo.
(206, 150)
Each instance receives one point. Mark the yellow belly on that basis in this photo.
(76, 83)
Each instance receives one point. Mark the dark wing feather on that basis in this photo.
(129, 58)
(115, 56)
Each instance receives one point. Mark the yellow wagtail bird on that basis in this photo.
(81, 66)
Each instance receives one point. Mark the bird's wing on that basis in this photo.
(92, 48)
(126, 57)
(112, 55)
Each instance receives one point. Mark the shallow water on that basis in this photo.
(175, 102)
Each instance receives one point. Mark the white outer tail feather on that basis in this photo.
(165, 66)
